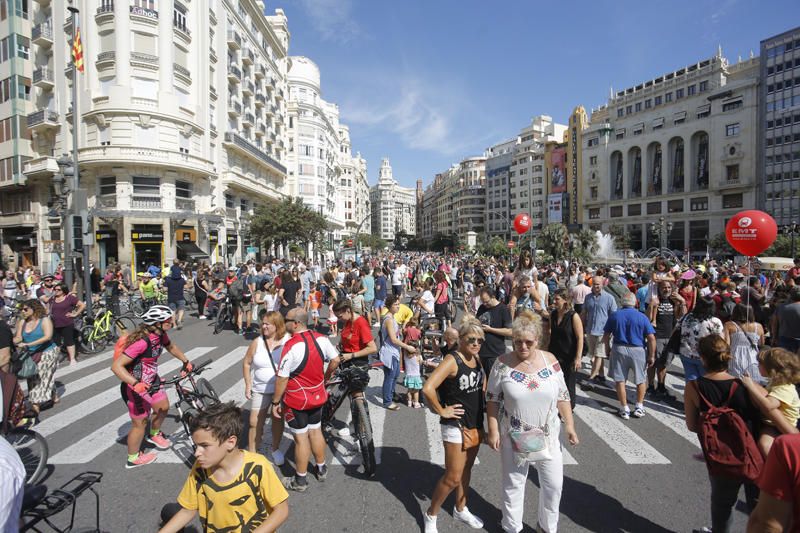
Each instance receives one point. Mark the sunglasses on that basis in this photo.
(474, 340)
(520, 342)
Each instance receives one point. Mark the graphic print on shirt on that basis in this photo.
(470, 382)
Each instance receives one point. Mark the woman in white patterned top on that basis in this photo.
(525, 394)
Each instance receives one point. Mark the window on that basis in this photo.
(147, 186)
(593, 160)
(678, 94)
(616, 211)
(691, 90)
(628, 109)
(634, 210)
(104, 136)
(594, 213)
(699, 204)
(668, 97)
(703, 86)
(593, 192)
(179, 17)
(658, 100)
(183, 189)
(108, 186)
(229, 201)
(654, 208)
(732, 130)
(620, 112)
(730, 106)
(675, 206)
(731, 201)
(732, 173)
(243, 205)
(648, 103)
(638, 106)
(620, 134)
(184, 143)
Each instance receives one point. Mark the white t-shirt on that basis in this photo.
(398, 275)
(263, 371)
(544, 293)
(292, 359)
(427, 299)
(12, 474)
(271, 302)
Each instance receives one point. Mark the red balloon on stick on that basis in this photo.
(522, 223)
(751, 232)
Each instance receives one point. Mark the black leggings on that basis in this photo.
(201, 298)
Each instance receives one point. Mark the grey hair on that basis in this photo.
(527, 322)
(629, 300)
(470, 326)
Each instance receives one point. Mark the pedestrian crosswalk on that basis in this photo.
(91, 420)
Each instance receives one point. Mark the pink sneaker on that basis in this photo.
(160, 441)
(143, 459)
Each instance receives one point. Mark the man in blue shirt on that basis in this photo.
(632, 333)
(380, 296)
(643, 294)
(597, 306)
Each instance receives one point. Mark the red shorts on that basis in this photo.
(139, 407)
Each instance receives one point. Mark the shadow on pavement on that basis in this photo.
(604, 514)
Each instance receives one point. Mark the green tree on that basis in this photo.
(373, 242)
(720, 247)
(622, 241)
(553, 240)
(585, 246)
(287, 221)
(495, 247)
(782, 247)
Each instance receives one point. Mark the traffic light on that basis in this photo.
(77, 233)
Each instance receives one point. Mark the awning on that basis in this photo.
(189, 250)
(704, 109)
(658, 122)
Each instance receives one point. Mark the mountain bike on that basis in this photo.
(102, 330)
(194, 395)
(224, 314)
(32, 450)
(351, 380)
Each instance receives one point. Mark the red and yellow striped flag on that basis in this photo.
(77, 51)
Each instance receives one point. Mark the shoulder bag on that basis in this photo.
(472, 437)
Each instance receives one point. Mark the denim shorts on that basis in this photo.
(378, 303)
(180, 305)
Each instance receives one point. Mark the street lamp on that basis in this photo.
(662, 229)
(792, 229)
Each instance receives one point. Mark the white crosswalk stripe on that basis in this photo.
(100, 440)
(622, 438)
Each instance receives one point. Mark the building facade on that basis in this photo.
(681, 146)
(182, 123)
(779, 127)
(393, 208)
(498, 169)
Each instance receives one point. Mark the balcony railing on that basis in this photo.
(43, 117)
(105, 11)
(106, 201)
(42, 34)
(234, 74)
(106, 58)
(234, 40)
(182, 71)
(248, 87)
(261, 100)
(184, 204)
(145, 202)
(182, 30)
(43, 77)
(234, 106)
(144, 59)
(254, 151)
(248, 119)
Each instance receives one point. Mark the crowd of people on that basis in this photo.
(735, 331)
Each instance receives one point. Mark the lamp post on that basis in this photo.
(61, 207)
(792, 229)
(662, 228)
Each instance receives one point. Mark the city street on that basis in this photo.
(633, 476)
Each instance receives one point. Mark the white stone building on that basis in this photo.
(393, 208)
(353, 190)
(182, 123)
(681, 146)
(498, 168)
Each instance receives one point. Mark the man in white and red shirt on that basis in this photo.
(300, 395)
(778, 508)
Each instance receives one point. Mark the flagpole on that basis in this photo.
(77, 56)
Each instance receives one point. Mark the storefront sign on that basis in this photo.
(232, 240)
(213, 236)
(572, 209)
(105, 234)
(147, 235)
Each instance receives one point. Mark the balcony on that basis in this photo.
(182, 31)
(102, 156)
(248, 88)
(106, 59)
(248, 120)
(182, 73)
(106, 202)
(279, 94)
(241, 144)
(144, 14)
(16, 220)
(230, 212)
(234, 74)
(212, 92)
(234, 40)
(43, 120)
(138, 59)
(270, 110)
(184, 204)
(42, 34)
(145, 202)
(260, 72)
(43, 78)
(261, 128)
(248, 56)
(272, 137)
(105, 13)
(261, 100)
(234, 107)
(68, 25)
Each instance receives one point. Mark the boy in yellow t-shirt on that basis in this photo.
(232, 489)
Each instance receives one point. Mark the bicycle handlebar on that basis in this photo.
(197, 369)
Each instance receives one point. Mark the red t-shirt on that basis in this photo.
(781, 475)
(356, 334)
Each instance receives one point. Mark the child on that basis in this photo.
(224, 474)
(313, 302)
(357, 299)
(779, 402)
(412, 362)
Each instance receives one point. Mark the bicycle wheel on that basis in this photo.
(124, 325)
(188, 414)
(363, 427)
(207, 393)
(90, 342)
(32, 450)
(222, 317)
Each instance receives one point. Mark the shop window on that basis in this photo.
(732, 201)
(634, 210)
(699, 204)
(654, 208)
(675, 206)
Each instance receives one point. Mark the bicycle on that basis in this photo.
(351, 381)
(39, 505)
(32, 450)
(193, 398)
(101, 330)
(224, 314)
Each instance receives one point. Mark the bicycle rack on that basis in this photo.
(65, 496)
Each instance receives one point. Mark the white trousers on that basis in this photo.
(514, 478)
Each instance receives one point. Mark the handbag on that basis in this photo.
(24, 366)
(532, 444)
(674, 343)
(471, 438)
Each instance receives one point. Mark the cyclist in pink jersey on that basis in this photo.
(141, 388)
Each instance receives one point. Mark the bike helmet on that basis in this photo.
(156, 315)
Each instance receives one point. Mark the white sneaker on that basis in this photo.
(277, 458)
(202, 317)
(468, 518)
(430, 523)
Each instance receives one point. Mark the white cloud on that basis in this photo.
(333, 19)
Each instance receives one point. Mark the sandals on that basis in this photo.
(393, 407)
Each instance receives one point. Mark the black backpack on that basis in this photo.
(236, 289)
(726, 308)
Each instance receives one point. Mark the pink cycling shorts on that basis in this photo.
(139, 407)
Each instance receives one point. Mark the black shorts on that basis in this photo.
(65, 334)
(302, 421)
(442, 311)
(397, 290)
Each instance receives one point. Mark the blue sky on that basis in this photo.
(427, 83)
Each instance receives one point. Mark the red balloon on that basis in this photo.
(751, 232)
(522, 223)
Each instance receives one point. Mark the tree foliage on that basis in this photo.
(494, 247)
(720, 247)
(287, 221)
(782, 247)
(373, 242)
(558, 243)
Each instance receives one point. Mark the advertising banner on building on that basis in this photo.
(554, 208)
(558, 170)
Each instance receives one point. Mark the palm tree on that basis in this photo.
(554, 240)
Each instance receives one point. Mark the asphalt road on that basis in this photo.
(632, 476)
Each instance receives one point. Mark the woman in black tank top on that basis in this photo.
(455, 391)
